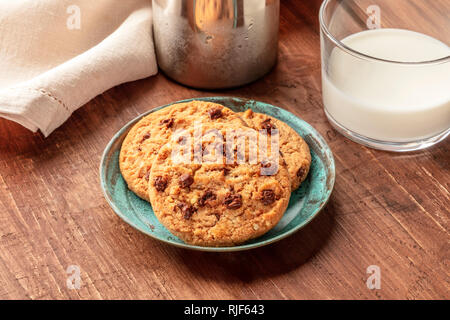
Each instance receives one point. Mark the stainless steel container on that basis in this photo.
(215, 44)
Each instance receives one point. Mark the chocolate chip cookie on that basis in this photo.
(294, 149)
(223, 199)
(148, 135)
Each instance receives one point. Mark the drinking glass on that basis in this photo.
(386, 71)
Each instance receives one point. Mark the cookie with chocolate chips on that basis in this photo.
(294, 149)
(213, 202)
(144, 140)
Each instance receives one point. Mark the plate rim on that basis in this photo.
(127, 126)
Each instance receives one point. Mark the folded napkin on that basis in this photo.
(56, 55)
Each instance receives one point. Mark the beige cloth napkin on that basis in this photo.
(56, 55)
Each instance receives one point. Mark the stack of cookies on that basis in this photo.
(204, 185)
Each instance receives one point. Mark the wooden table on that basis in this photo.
(388, 210)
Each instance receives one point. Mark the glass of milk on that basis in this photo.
(386, 71)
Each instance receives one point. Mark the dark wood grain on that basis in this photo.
(390, 210)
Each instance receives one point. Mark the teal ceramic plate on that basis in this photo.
(304, 205)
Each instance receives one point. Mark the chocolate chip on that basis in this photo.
(300, 172)
(209, 195)
(186, 180)
(233, 201)
(268, 197)
(147, 175)
(167, 122)
(160, 183)
(186, 210)
(266, 164)
(145, 137)
(217, 216)
(215, 113)
(268, 126)
(226, 171)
